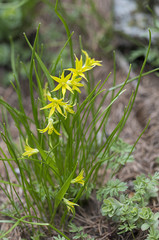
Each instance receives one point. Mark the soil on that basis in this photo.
(146, 151)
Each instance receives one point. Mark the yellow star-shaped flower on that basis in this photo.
(79, 69)
(50, 128)
(55, 104)
(75, 83)
(70, 205)
(79, 178)
(29, 151)
(67, 108)
(63, 83)
(90, 62)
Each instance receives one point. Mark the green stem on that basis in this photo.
(67, 31)
(133, 79)
(133, 235)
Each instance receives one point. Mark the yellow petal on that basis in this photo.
(70, 205)
(79, 178)
(50, 128)
(28, 150)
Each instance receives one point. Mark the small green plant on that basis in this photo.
(78, 231)
(112, 188)
(38, 235)
(120, 153)
(132, 212)
(59, 238)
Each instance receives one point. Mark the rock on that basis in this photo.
(132, 18)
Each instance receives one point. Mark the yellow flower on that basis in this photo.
(63, 83)
(70, 205)
(50, 128)
(55, 104)
(91, 62)
(79, 70)
(28, 150)
(79, 178)
(74, 82)
(67, 108)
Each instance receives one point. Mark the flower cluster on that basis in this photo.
(70, 82)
